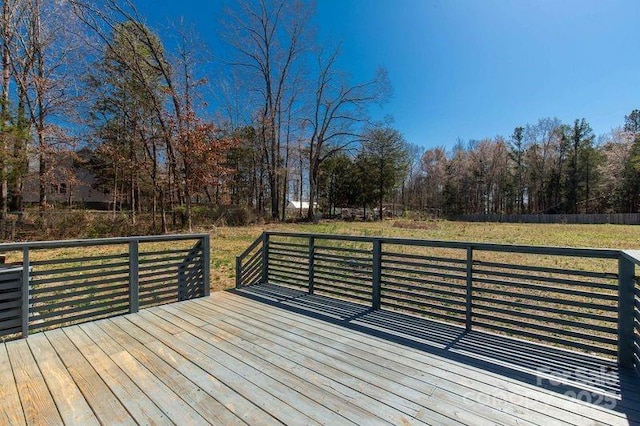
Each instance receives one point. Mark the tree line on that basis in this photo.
(545, 167)
(90, 82)
(162, 127)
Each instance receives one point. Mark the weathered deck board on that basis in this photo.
(229, 359)
(72, 406)
(450, 376)
(446, 395)
(256, 386)
(404, 392)
(330, 403)
(207, 406)
(37, 403)
(124, 387)
(98, 395)
(10, 408)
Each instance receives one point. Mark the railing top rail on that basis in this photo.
(98, 241)
(632, 255)
(251, 247)
(548, 250)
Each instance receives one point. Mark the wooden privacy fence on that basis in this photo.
(577, 298)
(57, 283)
(582, 218)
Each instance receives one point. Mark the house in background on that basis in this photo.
(298, 208)
(71, 184)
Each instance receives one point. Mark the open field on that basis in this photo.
(226, 243)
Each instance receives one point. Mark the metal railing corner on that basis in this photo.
(626, 314)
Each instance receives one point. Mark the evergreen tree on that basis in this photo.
(385, 150)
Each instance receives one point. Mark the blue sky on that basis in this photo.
(473, 68)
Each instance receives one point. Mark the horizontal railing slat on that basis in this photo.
(419, 292)
(397, 296)
(355, 273)
(323, 284)
(538, 307)
(290, 266)
(163, 252)
(560, 290)
(553, 320)
(296, 279)
(550, 300)
(288, 253)
(173, 260)
(12, 313)
(530, 325)
(365, 288)
(342, 273)
(424, 304)
(554, 280)
(292, 272)
(276, 243)
(287, 282)
(58, 271)
(410, 282)
(37, 282)
(420, 266)
(9, 303)
(351, 260)
(61, 287)
(425, 273)
(343, 249)
(390, 256)
(63, 260)
(548, 270)
(92, 291)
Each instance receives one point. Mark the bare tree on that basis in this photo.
(338, 113)
(270, 39)
(45, 64)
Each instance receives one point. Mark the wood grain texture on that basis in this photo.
(37, 403)
(105, 405)
(230, 359)
(10, 408)
(71, 404)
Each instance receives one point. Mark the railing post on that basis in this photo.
(265, 258)
(206, 265)
(469, 292)
(238, 272)
(377, 271)
(134, 301)
(25, 292)
(626, 299)
(312, 253)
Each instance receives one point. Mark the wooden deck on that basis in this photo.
(267, 355)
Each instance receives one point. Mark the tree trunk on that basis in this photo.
(4, 112)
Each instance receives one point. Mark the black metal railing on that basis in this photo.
(578, 298)
(56, 283)
(633, 332)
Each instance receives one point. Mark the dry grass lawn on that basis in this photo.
(226, 243)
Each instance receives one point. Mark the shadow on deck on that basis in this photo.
(588, 378)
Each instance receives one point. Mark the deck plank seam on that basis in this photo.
(315, 321)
